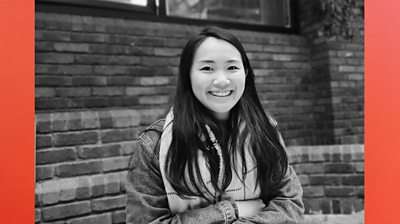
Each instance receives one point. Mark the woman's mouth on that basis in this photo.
(221, 93)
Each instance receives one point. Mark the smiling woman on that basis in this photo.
(217, 76)
(216, 157)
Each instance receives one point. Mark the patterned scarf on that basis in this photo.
(236, 189)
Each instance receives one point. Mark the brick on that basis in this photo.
(90, 102)
(89, 81)
(119, 135)
(75, 138)
(49, 198)
(43, 141)
(336, 207)
(79, 168)
(90, 120)
(44, 172)
(354, 180)
(52, 35)
(105, 119)
(53, 81)
(150, 41)
(71, 47)
(313, 191)
(51, 103)
(309, 168)
(156, 80)
(43, 92)
(93, 219)
(352, 205)
(125, 118)
(37, 200)
(359, 166)
(122, 180)
(65, 210)
(123, 60)
(111, 70)
(314, 205)
(37, 215)
(127, 148)
(154, 61)
(358, 156)
(113, 183)
(83, 188)
(55, 156)
(108, 203)
(74, 121)
(122, 81)
(108, 91)
(339, 191)
(72, 92)
(114, 164)
(119, 217)
(90, 37)
(109, 49)
(74, 70)
(42, 123)
(304, 180)
(360, 192)
(67, 194)
(325, 206)
(54, 58)
(121, 39)
(325, 179)
(149, 90)
(319, 156)
(59, 121)
(347, 68)
(98, 185)
(99, 151)
(150, 100)
(338, 168)
(167, 51)
(141, 51)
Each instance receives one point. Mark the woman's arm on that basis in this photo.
(147, 201)
(285, 207)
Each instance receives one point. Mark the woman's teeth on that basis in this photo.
(220, 93)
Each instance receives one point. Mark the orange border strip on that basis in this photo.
(382, 111)
(17, 111)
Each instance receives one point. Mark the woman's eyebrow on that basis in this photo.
(211, 61)
(207, 61)
(232, 60)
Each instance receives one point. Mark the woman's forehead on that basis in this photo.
(216, 49)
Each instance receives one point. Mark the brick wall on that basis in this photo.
(337, 75)
(332, 179)
(101, 81)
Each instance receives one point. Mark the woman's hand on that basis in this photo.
(250, 207)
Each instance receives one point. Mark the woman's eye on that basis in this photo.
(232, 67)
(206, 68)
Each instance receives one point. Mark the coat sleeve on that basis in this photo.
(147, 201)
(286, 206)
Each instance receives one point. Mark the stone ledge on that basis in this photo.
(70, 189)
(355, 218)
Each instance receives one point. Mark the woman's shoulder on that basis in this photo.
(151, 136)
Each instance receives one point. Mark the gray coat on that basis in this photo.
(147, 200)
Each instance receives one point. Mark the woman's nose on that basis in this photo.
(221, 81)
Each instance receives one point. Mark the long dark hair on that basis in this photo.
(190, 117)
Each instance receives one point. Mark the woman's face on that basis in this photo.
(217, 76)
